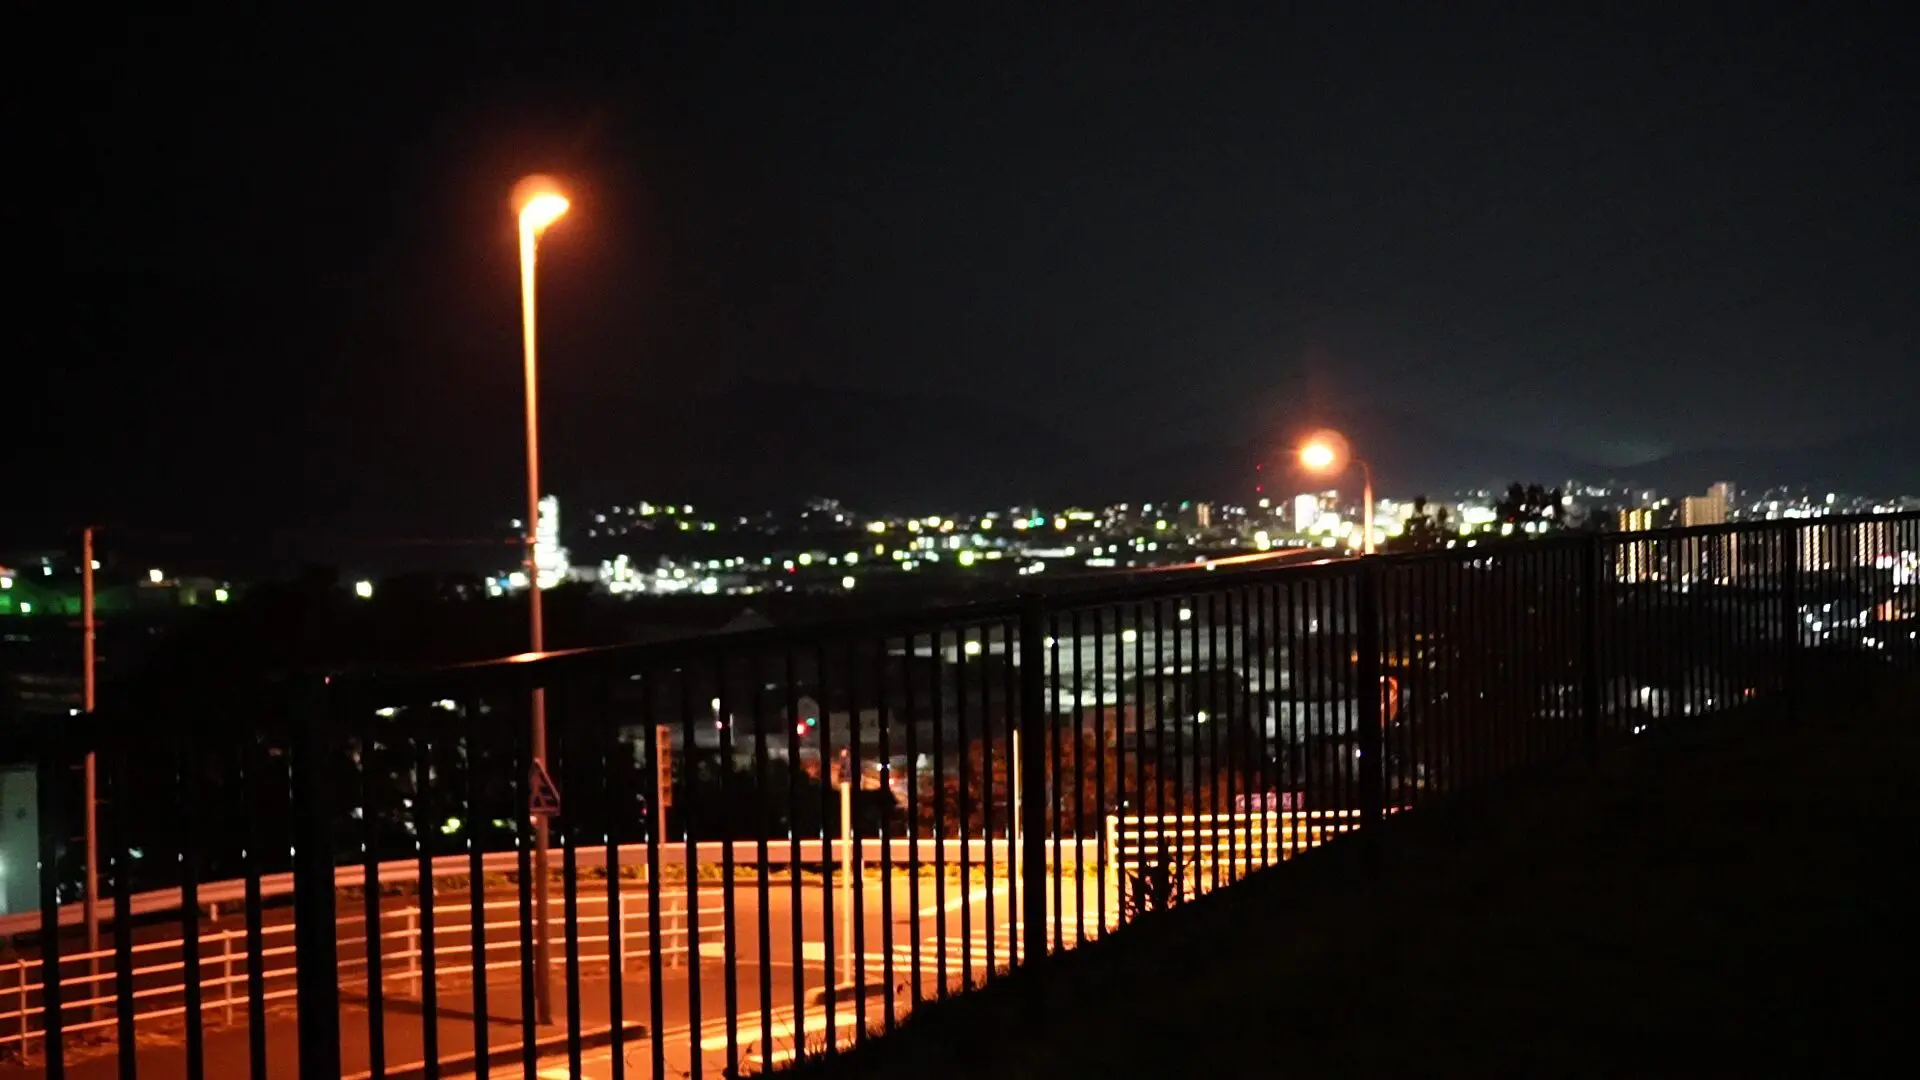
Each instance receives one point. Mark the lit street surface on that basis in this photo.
(972, 944)
(977, 922)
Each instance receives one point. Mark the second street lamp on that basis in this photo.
(539, 207)
(1327, 452)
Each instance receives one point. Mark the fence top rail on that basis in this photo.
(526, 671)
(1233, 817)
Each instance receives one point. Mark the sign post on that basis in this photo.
(662, 776)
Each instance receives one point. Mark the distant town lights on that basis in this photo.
(156, 576)
(361, 589)
(846, 582)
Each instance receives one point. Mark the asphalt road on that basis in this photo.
(978, 924)
(956, 941)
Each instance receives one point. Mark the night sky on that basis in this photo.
(290, 300)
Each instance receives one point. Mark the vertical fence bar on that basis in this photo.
(192, 990)
(575, 820)
(883, 722)
(371, 814)
(521, 775)
(908, 664)
(763, 826)
(690, 824)
(1102, 805)
(316, 944)
(1079, 787)
(1790, 620)
(119, 853)
(725, 707)
(651, 733)
(613, 760)
(965, 814)
(795, 894)
(1591, 554)
(477, 811)
(51, 772)
(829, 879)
(1051, 792)
(254, 787)
(1016, 786)
(855, 877)
(990, 758)
(938, 709)
(425, 827)
(1371, 717)
(1033, 778)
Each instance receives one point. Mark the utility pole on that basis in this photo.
(91, 902)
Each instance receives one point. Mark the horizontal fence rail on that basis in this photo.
(708, 857)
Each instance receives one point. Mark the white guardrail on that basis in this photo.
(159, 967)
(401, 871)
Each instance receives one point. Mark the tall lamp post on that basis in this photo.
(1327, 452)
(540, 206)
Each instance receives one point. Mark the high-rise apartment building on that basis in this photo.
(1708, 509)
(1306, 511)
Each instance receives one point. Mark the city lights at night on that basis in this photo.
(650, 541)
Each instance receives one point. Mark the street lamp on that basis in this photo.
(1327, 452)
(539, 206)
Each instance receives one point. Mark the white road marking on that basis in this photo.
(976, 896)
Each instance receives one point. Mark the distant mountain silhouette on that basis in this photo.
(777, 443)
(1884, 461)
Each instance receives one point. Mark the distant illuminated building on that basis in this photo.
(1203, 514)
(1875, 545)
(1638, 519)
(1815, 552)
(1306, 511)
(1724, 492)
(1708, 509)
(549, 558)
(1710, 559)
(1634, 559)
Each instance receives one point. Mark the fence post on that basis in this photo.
(1370, 696)
(1592, 553)
(413, 951)
(316, 974)
(1033, 778)
(20, 969)
(226, 973)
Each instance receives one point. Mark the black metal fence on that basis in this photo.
(771, 844)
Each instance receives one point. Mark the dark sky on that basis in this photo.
(289, 263)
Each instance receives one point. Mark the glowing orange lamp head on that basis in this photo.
(538, 202)
(1324, 452)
